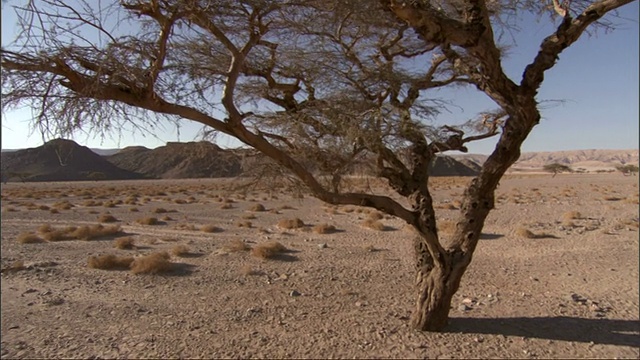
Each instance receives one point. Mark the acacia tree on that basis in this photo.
(315, 86)
(556, 168)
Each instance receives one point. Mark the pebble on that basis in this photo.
(294, 293)
(322, 246)
(463, 307)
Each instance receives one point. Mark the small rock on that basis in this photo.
(463, 307)
(478, 339)
(322, 246)
(467, 301)
(283, 277)
(294, 293)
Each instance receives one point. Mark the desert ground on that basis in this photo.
(555, 274)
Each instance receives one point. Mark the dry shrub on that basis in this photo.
(63, 205)
(249, 216)
(134, 209)
(244, 224)
(54, 211)
(247, 270)
(226, 206)
(268, 250)
(374, 224)
(324, 229)
(106, 218)
(528, 234)
(210, 229)
(124, 243)
(56, 235)
(29, 238)
(236, 245)
(43, 207)
(10, 209)
(154, 263)
(148, 221)
(370, 248)
(88, 232)
(91, 203)
(159, 210)
(84, 232)
(180, 201)
(16, 266)
(571, 215)
(290, 223)
(180, 250)
(110, 262)
(258, 208)
(185, 226)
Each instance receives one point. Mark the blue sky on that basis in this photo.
(597, 79)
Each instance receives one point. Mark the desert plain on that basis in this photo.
(555, 274)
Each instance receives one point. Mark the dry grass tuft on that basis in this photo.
(159, 210)
(245, 224)
(16, 266)
(324, 229)
(29, 238)
(226, 206)
(528, 234)
(374, 225)
(247, 270)
(185, 226)
(236, 246)
(268, 250)
(154, 263)
(110, 262)
(106, 218)
(571, 215)
(525, 233)
(148, 221)
(210, 229)
(180, 250)
(258, 208)
(84, 232)
(88, 232)
(290, 223)
(124, 243)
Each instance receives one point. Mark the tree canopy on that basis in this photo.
(315, 86)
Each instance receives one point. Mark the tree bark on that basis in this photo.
(436, 285)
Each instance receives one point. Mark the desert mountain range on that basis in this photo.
(65, 160)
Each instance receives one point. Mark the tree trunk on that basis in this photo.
(436, 286)
(434, 301)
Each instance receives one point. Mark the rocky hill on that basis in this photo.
(593, 159)
(179, 161)
(60, 160)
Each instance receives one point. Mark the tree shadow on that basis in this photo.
(599, 331)
(484, 236)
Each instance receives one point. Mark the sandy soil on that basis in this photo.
(569, 292)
